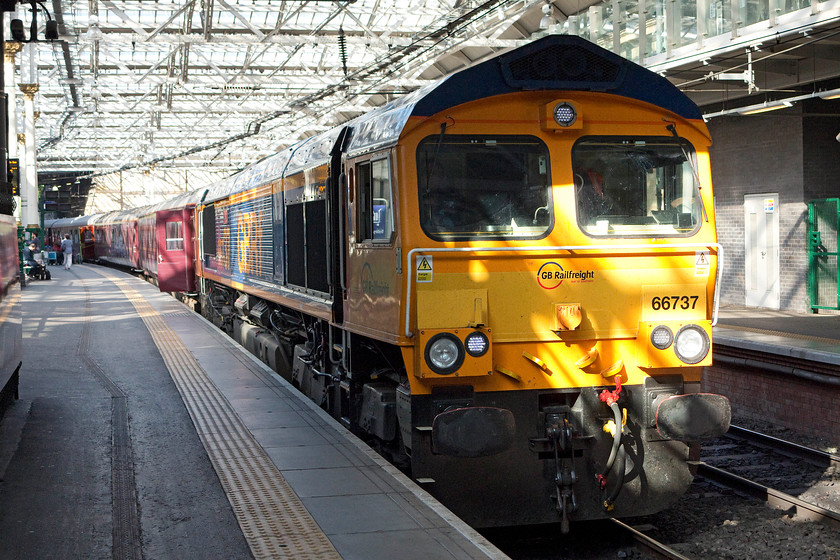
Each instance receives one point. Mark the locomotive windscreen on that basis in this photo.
(635, 186)
(484, 186)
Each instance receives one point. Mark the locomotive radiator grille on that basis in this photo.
(273, 520)
(574, 67)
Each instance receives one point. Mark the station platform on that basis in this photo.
(142, 431)
(779, 368)
(804, 336)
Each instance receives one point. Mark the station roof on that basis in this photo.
(222, 83)
(219, 84)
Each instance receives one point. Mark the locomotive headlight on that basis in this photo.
(477, 344)
(661, 337)
(444, 353)
(565, 114)
(691, 344)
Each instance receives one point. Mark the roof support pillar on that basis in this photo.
(29, 172)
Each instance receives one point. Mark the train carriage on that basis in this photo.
(166, 242)
(11, 325)
(116, 238)
(80, 230)
(506, 281)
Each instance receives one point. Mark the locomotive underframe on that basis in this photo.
(363, 383)
(657, 472)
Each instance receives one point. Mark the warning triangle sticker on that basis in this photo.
(424, 265)
(702, 258)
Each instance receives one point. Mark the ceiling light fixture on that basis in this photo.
(764, 108)
(547, 19)
(830, 94)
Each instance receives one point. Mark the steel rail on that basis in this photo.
(813, 456)
(773, 497)
(651, 545)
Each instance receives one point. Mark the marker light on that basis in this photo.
(661, 337)
(691, 344)
(444, 353)
(564, 114)
(477, 344)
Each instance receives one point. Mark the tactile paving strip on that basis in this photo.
(275, 523)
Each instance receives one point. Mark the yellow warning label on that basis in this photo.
(702, 264)
(425, 268)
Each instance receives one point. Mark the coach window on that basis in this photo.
(174, 236)
(635, 186)
(484, 187)
(376, 209)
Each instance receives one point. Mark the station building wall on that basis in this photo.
(791, 152)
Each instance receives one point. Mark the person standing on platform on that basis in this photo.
(67, 249)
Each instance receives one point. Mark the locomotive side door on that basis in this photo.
(374, 265)
(336, 206)
(172, 261)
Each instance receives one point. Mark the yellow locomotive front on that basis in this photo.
(559, 292)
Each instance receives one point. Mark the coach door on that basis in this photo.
(86, 242)
(172, 266)
(761, 228)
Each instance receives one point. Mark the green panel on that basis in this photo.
(823, 271)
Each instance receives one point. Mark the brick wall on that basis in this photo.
(800, 405)
(822, 156)
(793, 153)
(759, 154)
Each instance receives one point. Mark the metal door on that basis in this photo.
(761, 257)
(823, 226)
(172, 269)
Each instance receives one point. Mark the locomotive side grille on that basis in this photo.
(245, 225)
(562, 67)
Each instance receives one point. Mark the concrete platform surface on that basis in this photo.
(144, 432)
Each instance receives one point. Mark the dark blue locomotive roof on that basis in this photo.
(557, 62)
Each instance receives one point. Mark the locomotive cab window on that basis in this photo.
(376, 211)
(489, 186)
(642, 186)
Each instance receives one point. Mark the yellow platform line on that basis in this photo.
(275, 523)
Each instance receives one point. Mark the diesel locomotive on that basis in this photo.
(506, 281)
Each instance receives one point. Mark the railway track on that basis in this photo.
(755, 461)
(648, 544)
(714, 521)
